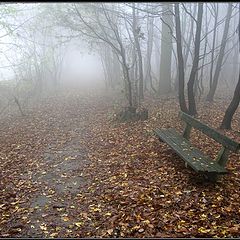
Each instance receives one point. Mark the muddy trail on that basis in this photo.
(68, 170)
(44, 167)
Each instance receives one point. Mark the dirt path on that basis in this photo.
(67, 171)
(60, 182)
(57, 177)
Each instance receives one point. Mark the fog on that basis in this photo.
(81, 65)
(119, 120)
(128, 48)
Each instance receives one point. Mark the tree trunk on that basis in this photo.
(191, 98)
(213, 88)
(136, 33)
(213, 44)
(166, 50)
(227, 120)
(116, 69)
(200, 79)
(181, 95)
(128, 82)
(148, 76)
(234, 66)
(188, 47)
(157, 53)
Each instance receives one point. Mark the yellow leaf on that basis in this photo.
(138, 217)
(135, 227)
(60, 209)
(203, 230)
(69, 158)
(78, 224)
(178, 192)
(219, 198)
(228, 209)
(108, 214)
(96, 209)
(43, 227)
(65, 219)
(146, 221)
(53, 234)
(110, 231)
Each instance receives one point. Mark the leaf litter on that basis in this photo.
(67, 170)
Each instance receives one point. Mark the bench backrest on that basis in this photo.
(212, 133)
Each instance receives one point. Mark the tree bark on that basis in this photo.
(166, 50)
(181, 95)
(188, 47)
(213, 88)
(136, 32)
(200, 79)
(148, 76)
(227, 119)
(128, 81)
(191, 98)
(213, 44)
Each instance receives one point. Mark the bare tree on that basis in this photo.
(166, 49)
(148, 74)
(137, 36)
(227, 119)
(213, 87)
(181, 95)
(215, 10)
(191, 97)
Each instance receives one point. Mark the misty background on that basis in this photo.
(129, 48)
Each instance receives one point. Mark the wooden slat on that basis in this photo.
(212, 133)
(201, 162)
(197, 154)
(191, 155)
(163, 135)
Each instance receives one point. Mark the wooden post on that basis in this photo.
(222, 157)
(187, 131)
(212, 177)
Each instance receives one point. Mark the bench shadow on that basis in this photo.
(199, 180)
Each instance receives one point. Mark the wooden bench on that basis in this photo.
(191, 155)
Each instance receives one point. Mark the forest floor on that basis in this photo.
(67, 170)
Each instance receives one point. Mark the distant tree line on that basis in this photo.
(162, 49)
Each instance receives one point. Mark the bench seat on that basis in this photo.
(191, 155)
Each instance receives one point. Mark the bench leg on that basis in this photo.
(160, 140)
(212, 177)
